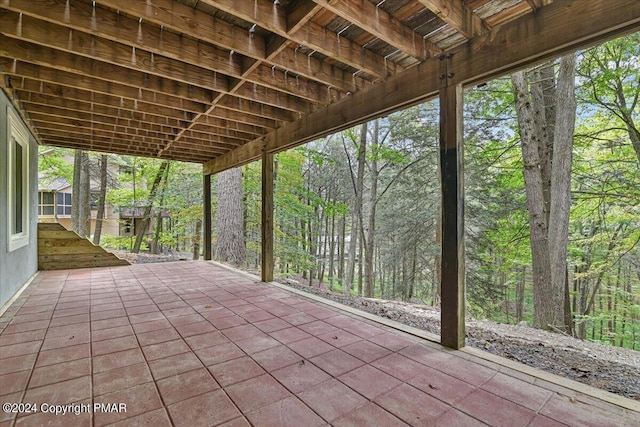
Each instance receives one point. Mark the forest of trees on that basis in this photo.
(552, 183)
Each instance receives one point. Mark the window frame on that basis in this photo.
(42, 205)
(17, 134)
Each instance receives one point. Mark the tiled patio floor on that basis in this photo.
(192, 344)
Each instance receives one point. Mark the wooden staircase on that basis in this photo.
(61, 249)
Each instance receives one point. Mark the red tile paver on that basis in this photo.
(366, 351)
(156, 418)
(445, 387)
(412, 405)
(310, 347)
(331, 399)
(479, 402)
(64, 354)
(289, 335)
(207, 409)
(18, 363)
(186, 385)
(336, 362)
(289, 412)
(369, 381)
(173, 365)
(236, 370)
(117, 360)
(371, 414)
(219, 353)
(399, 366)
(138, 399)
(256, 393)
(517, 391)
(276, 357)
(60, 372)
(300, 376)
(121, 378)
(195, 344)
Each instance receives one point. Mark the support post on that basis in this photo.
(267, 216)
(452, 184)
(206, 199)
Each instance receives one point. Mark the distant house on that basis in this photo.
(55, 195)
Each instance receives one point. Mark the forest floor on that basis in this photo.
(606, 367)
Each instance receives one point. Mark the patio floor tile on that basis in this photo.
(186, 385)
(369, 381)
(445, 387)
(124, 377)
(139, 400)
(476, 404)
(368, 415)
(289, 412)
(336, 362)
(117, 360)
(256, 393)
(276, 358)
(60, 372)
(300, 376)
(174, 365)
(192, 344)
(207, 409)
(331, 399)
(236, 370)
(412, 405)
(219, 353)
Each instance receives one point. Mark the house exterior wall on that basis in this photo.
(17, 266)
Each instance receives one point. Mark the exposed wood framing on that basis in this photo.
(560, 27)
(457, 14)
(452, 181)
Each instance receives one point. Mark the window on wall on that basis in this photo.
(46, 203)
(17, 182)
(63, 204)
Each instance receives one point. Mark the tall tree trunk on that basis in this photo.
(85, 197)
(546, 117)
(196, 240)
(371, 218)
(75, 196)
(230, 245)
(146, 217)
(356, 220)
(560, 199)
(101, 199)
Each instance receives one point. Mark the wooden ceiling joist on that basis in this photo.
(481, 59)
(217, 81)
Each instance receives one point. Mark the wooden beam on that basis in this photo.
(558, 28)
(267, 217)
(457, 14)
(206, 199)
(382, 25)
(272, 18)
(21, 70)
(452, 215)
(202, 26)
(22, 51)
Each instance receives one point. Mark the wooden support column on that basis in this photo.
(452, 185)
(267, 216)
(206, 199)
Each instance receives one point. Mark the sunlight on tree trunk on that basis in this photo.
(230, 240)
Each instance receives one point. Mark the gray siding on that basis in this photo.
(18, 266)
